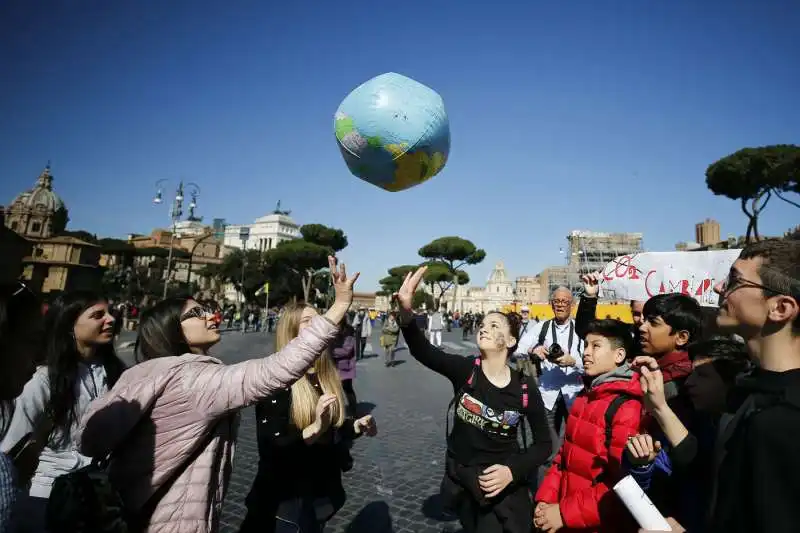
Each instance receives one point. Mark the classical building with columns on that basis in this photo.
(265, 233)
(499, 292)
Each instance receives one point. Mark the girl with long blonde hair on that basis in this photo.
(304, 436)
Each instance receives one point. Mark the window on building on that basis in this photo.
(14, 225)
(36, 227)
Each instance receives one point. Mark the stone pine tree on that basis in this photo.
(753, 176)
(304, 260)
(446, 257)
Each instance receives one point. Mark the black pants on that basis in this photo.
(362, 345)
(267, 519)
(556, 422)
(350, 394)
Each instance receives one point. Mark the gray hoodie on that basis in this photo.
(621, 373)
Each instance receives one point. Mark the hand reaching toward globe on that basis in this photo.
(405, 296)
(343, 289)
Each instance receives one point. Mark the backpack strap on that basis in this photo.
(543, 332)
(523, 382)
(613, 407)
(476, 365)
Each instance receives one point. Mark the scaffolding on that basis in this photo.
(589, 251)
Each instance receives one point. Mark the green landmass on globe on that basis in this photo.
(411, 168)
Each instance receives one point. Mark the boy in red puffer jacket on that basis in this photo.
(575, 493)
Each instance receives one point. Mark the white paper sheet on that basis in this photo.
(640, 506)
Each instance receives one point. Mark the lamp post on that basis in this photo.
(176, 212)
(244, 234)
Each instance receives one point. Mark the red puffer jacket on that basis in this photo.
(575, 481)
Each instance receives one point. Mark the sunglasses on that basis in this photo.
(197, 312)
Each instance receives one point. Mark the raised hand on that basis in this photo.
(342, 285)
(343, 290)
(405, 296)
(652, 382)
(591, 284)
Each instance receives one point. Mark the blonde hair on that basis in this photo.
(304, 395)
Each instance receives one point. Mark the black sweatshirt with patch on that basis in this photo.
(486, 417)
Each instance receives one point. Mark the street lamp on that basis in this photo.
(176, 212)
(244, 234)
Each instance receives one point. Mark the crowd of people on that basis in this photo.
(702, 411)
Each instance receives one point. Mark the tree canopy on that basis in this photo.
(332, 238)
(446, 256)
(298, 259)
(753, 176)
(230, 271)
(391, 283)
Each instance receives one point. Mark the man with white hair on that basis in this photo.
(557, 350)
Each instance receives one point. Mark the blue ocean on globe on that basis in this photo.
(393, 132)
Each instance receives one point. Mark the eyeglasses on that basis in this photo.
(561, 302)
(736, 281)
(196, 312)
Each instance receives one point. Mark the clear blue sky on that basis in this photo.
(564, 115)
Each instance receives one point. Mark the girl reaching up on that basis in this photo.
(487, 472)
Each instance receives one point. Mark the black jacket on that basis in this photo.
(758, 477)
(288, 467)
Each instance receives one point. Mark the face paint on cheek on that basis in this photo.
(499, 339)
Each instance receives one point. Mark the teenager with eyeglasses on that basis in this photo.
(169, 425)
(757, 469)
(80, 364)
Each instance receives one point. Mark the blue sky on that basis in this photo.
(564, 115)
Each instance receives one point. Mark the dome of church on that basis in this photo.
(41, 197)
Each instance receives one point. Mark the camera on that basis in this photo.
(556, 352)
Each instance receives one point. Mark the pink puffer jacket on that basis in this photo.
(161, 410)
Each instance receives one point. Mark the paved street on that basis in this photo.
(395, 479)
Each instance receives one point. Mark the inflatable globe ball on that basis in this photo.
(393, 132)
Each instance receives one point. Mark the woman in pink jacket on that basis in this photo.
(170, 422)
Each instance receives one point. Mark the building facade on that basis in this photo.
(38, 212)
(588, 251)
(706, 233)
(497, 294)
(51, 262)
(528, 290)
(265, 233)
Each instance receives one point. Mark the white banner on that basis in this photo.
(640, 276)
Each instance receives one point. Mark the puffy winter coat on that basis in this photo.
(584, 470)
(161, 411)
